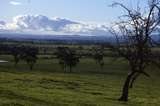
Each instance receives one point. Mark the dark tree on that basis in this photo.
(15, 51)
(134, 35)
(29, 55)
(67, 57)
(26, 53)
(98, 55)
(60, 53)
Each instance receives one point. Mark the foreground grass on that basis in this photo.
(48, 85)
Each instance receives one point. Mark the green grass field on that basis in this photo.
(48, 85)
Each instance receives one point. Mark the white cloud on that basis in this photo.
(14, 3)
(40, 22)
(43, 23)
(91, 29)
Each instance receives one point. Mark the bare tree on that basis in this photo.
(134, 33)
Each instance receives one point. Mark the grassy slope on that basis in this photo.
(47, 85)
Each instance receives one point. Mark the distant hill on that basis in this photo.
(57, 38)
(64, 38)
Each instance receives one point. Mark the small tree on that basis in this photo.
(72, 59)
(98, 55)
(67, 57)
(134, 35)
(16, 52)
(60, 53)
(30, 56)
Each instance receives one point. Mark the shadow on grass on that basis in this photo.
(11, 104)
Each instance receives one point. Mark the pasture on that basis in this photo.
(48, 85)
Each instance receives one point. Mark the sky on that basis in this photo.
(80, 10)
(86, 11)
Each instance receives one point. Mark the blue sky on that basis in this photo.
(79, 10)
(76, 16)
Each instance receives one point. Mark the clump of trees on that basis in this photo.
(67, 58)
(134, 33)
(25, 53)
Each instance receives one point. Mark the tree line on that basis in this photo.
(68, 57)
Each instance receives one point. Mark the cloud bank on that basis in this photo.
(55, 24)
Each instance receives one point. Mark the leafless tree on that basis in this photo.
(134, 33)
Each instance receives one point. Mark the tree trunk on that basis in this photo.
(70, 68)
(30, 66)
(133, 79)
(125, 90)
